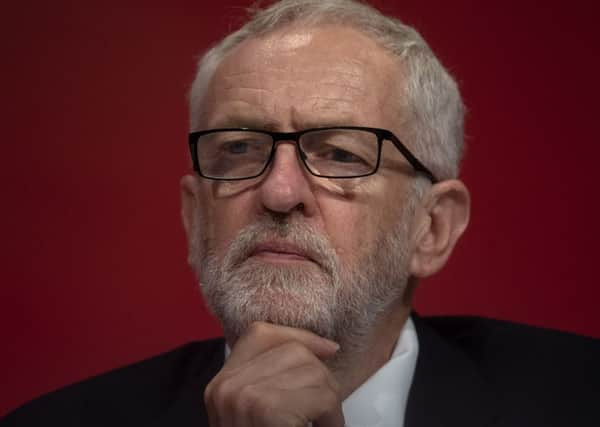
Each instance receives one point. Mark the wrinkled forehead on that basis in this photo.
(323, 41)
(337, 64)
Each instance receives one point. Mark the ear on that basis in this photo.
(439, 222)
(189, 204)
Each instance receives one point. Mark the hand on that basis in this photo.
(275, 376)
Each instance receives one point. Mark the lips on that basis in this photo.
(282, 251)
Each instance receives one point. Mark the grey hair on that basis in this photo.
(433, 112)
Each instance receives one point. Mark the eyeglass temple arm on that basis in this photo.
(415, 163)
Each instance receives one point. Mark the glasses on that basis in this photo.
(329, 152)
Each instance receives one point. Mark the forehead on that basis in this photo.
(324, 74)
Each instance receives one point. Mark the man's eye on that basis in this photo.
(235, 147)
(343, 156)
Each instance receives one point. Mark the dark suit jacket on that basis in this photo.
(470, 372)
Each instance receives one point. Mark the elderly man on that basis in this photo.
(326, 140)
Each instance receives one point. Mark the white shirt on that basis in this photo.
(381, 400)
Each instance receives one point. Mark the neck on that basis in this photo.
(357, 362)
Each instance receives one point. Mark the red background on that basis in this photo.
(94, 142)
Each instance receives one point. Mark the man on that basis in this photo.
(326, 141)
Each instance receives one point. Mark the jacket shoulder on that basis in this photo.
(540, 374)
(136, 394)
(511, 345)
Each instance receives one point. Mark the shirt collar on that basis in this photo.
(381, 400)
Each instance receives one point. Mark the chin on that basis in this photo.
(281, 302)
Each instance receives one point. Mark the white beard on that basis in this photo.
(341, 303)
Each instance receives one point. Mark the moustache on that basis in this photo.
(287, 236)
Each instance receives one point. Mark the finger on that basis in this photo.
(280, 359)
(296, 407)
(261, 336)
(308, 376)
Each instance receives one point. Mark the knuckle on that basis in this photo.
(258, 328)
(265, 409)
(255, 403)
(299, 351)
(330, 398)
(220, 393)
(226, 387)
(321, 374)
(314, 374)
(208, 391)
(321, 377)
(248, 397)
(337, 389)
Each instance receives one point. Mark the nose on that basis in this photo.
(286, 186)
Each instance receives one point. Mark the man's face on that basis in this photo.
(287, 247)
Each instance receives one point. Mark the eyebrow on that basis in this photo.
(328, 122)
(274, 126)
(245, 121)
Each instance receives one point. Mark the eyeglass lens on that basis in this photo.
(329, 153)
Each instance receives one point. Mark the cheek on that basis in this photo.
(356, 228)
(222, 218)
(351, 230)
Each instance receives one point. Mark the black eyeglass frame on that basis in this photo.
(382, 135)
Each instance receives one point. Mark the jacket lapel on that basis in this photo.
(447, 389)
